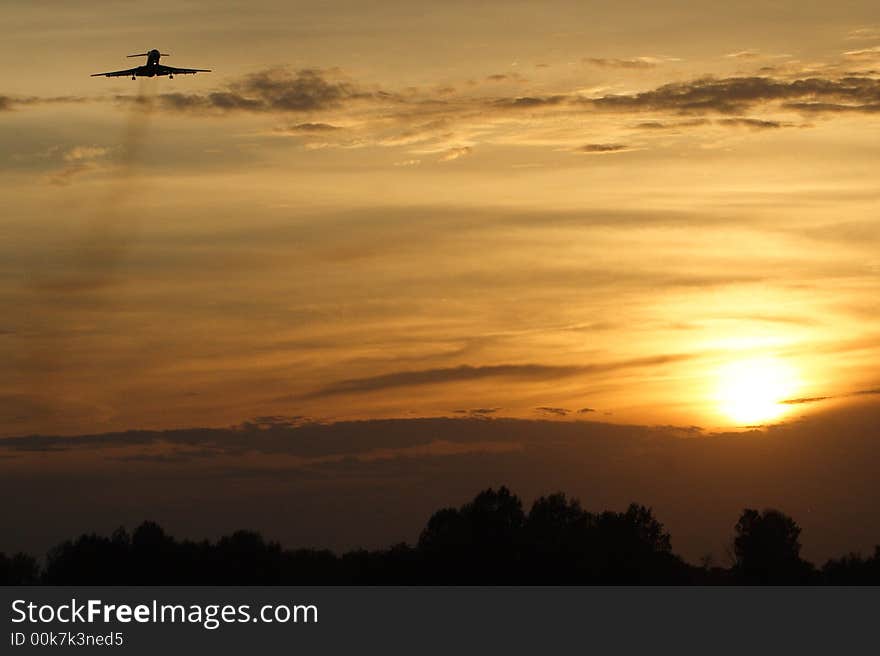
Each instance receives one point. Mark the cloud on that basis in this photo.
(9, 103)
(867, 392)
(658, 125)
(445, 375)
(816, 399)
(753, 123)
(66, 175)
(434, 121)
(456, 153)
(174, 457)
(863, 53)
(272, 90)
(307, 90)
(585, 410)
(477, 412)
(83, 153)
(598, 149)
(295, 437)
(312, 90)
(653, 125)
(466, 373)
(634, 62)
(530, 102)
(834, 108)
(79, 160)
(309, 128)
(418, 132)
(408, 162)
(432, 113)
(549, 410)
(806, 399)
(735, 95)
(505, 77)
(864, 33)
(743, 54)
(269, 422)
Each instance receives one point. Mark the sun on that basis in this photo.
(751, 391)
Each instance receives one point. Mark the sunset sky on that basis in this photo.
(411, 210)
(645, 214)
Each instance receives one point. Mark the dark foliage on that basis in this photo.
(853, 569)
(19, 569)
(768, 550)
(490, 540)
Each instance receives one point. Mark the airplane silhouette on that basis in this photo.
(153, 68)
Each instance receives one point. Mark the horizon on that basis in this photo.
(371, 483)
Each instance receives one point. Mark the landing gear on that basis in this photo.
(133, 77)
(170, 77)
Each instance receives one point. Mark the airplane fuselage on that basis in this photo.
(148, 71)
(151, 68)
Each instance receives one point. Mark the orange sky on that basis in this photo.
(663, 215)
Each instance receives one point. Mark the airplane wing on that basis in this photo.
(130, 71)
(182, 71)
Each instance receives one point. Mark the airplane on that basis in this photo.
(153, 68)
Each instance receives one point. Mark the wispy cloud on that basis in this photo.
(84, 153)
(553, 411)
(806, 399)
(753, 123)
(273, 90)
(632, 62)
(863, 53)
(465, 373)
(738, 94)
(332, 110)
(867, 392)
(456, 153)
(743, 54)
(817, 399)
(864, 33)
(77, 161)
(477, 412)
(309, 128)
(602, 148)
(672, 125)
(9, 103)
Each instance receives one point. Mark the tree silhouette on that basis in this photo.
(557, 539)
(478, 542)
(154, 555)
(19, 569)
(489, 540)
(247, 559)
(853, 569)
(99, 560)
(633, 547)
(767, 549)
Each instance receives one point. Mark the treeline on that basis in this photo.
(490, 540)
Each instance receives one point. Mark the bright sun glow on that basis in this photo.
(750, 391)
